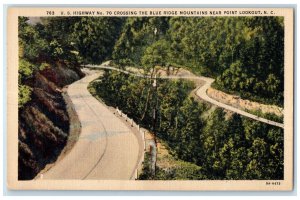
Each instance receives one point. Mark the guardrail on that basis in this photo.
(142, 133)
(206, 98)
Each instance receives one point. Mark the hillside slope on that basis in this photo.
(44, 122)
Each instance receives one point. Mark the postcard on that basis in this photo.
(150, 98)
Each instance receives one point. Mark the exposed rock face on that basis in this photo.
(44, 122)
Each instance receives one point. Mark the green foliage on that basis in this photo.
(40, 46)
(270, 116)
(146, 171)
(137, 34)
(244, 54)
(181, 170)
(68, 40)
(57, 32)
(33, 47)
(156, 55)
(231, 148)
(25, 69)
(257, 72)
(44, 65)
(94, 37)
(24, 95)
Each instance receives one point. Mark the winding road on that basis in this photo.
(200, 92)
(106, 148)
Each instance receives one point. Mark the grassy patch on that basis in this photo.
(168, 167)
(269, 116)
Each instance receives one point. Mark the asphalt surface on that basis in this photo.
(106, 148)
(200, 92)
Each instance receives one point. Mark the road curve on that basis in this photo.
(106, 148)
(200, 92)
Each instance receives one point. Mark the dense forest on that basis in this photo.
(244, 54)
(70, 40)
(50, 56)
(225, 146)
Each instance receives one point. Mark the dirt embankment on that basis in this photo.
(160, 71)
(243, 104)
(44, 122)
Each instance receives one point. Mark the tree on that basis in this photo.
(189, 133)
(156, 55)
(244, 54)
(94, 37)
(225, 146)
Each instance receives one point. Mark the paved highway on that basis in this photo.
(106, 148)
(200, 92)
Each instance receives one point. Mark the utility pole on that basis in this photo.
(155, 92)
(154, 109)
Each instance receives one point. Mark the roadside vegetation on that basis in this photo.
(169, 167)
(50, 54)
(223, 147)
(243, 54)
(269, 116)
(71, 41)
